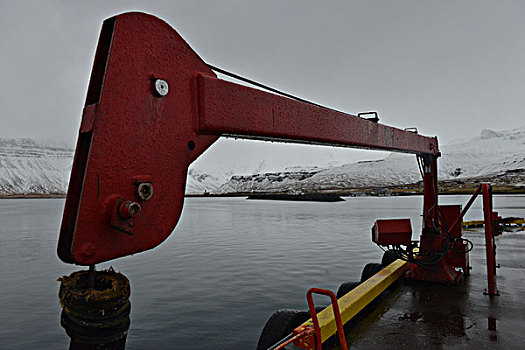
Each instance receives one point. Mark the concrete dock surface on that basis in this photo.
(417, 315)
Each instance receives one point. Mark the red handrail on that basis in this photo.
(315, 320)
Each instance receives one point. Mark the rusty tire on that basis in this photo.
(369, 270)
(345, 288)
(279, 325)
(95, 315)
(389, 257)
(98, 316)
(112, 290)
(95, 335)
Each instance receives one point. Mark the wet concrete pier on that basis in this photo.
(431, 316)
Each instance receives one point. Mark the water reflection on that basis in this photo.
(440, 309)
(89, 337)
(492, 328)
(231, 263)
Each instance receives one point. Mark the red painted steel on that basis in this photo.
(387, 232)
(467, 207)
(447, 215)
(230, 109)
(432, 242)
(458, 255)
(315, 320)
(443, 271)
(457, 259)
(430, 193)
(133, 137)
(489, 240)
(496, 219)
(130, 135)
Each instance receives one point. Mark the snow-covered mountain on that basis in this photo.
(229, 158)
(30, 167)
(489, 154)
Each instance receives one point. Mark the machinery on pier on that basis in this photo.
(153, 106)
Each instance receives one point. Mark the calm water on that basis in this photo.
(227, 267)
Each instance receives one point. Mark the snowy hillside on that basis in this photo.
(229, 158)
(491, 153)
(30, 167)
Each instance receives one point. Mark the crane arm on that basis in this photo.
(153, 106)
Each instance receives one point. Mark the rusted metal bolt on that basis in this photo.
(161, 87)
(145, 190)
(129, 209)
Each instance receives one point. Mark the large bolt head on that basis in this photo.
(145, 191)
(161, 87)
(129, 209)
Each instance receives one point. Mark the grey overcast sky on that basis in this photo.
(450, 68)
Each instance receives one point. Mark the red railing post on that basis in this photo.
(489, 240)
(315, 320)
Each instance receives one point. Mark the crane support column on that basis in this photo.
(430, 193)
(434, 243)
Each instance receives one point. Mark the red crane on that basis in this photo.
(153, 106)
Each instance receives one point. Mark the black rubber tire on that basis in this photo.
(388, 257)
(279, 325)
(318, 309)
(369, 270)
(345, 288)
(74, 293)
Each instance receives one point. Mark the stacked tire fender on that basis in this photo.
(283, 322)
(98, 315)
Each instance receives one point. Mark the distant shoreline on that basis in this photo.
(382, 192)
(32, 195)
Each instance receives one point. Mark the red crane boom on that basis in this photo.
(153, 106)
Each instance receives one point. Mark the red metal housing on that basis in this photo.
(387, 232)
(457, 256)
(448, 214)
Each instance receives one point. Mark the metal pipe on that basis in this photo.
(489, 240)
(467, 207)
(430, 191)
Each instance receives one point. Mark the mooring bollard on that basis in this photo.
(95, 309)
